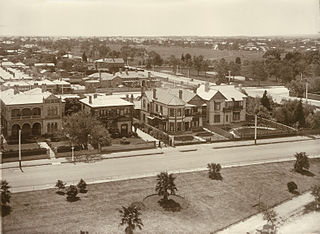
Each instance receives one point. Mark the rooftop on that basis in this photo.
(33, 96)
(228, 91)
(105, 101)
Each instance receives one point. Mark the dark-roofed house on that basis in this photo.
(112, 64)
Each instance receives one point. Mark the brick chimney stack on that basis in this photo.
(90, 99)
(180, 93)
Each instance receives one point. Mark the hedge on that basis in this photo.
(29, 152)
(64, 148)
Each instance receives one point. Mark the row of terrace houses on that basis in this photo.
(176, 110)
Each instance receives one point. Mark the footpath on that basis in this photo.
(159, 151)
(287, 212)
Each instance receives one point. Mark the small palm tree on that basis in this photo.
(214, 171)
(82, 186)
(130, 216)
(302, 162)
(72, 193)
(5, 193)
(165, 185)
(61, 186)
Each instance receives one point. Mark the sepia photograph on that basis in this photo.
(160, 116)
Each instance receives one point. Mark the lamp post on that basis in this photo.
(72, 152)
(20, 148)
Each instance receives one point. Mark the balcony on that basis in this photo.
(26, 117)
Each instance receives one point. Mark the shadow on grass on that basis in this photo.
(138, 205)
(170, 205)
(5, 210)
(307, 173)
(295, 192)
(83, 191)
(310, 207)
(73, 199)
(60, 193)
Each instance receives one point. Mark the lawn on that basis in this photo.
(211, 204)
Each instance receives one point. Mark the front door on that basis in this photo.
(124, 129)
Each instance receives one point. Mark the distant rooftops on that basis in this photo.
(110, 60)
(230, 93)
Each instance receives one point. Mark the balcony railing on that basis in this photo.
(26, 117)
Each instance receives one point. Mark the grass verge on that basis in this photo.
(211, 204)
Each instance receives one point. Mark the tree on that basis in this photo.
(78, 126)
(265, 101)
(165, 185)
(214, 171)
(257, 71)
(5, 194)
(302, 162)
(316, 193)
(299, 115)
(72, 193)
(292, 186)
(82, 186)
(84, 57)
(130, 216)
(100, 137)
(238, 60)
(61, 186)
(198, 63)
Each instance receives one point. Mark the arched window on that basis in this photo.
(15, 113)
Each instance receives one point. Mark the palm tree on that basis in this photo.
(165, 185)
(5, 194)
(130, 217)
(302, 162)
(214, 171)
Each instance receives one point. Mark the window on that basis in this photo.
(161, 109)
(179, 112)
(121, 111)
(217, 105)
(236, 116)
(157, 109)
(216, 118)
(187, 112)
(172, 127)
(227, 118)
(171, 112)
(179, 126)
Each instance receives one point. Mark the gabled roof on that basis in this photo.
(228, 92)
(164, 96)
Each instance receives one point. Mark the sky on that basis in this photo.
(158, 17)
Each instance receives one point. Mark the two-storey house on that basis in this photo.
(35, 112)
(113, 111)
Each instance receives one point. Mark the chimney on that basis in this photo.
(149, 74)
(180, 93)
(15, 89)
(131, 98)
(95, 95)
(44, 87)
(127, 72)
(206, 87)
(127, 97)
(120, 70)
(154, 93)
(90, 99)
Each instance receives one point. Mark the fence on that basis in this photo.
(156, 133)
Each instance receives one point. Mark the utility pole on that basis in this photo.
(255, 128)
(306, 92)
(72, 152)
(20, 148)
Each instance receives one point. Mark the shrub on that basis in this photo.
(292, 187)
(26, 152)
(61, 186)
(82, 185)
(72, 193)
(316, 193)
(214, 171)
(124, 141)
(302, 162)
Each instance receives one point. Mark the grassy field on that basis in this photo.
(211, 204)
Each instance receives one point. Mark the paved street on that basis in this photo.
(171, 160)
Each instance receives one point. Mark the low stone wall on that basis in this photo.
(120, 148)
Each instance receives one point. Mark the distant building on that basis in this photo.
(36, 112)
(111, 64)
(115, 112)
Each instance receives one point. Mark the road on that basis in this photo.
(121, 168)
